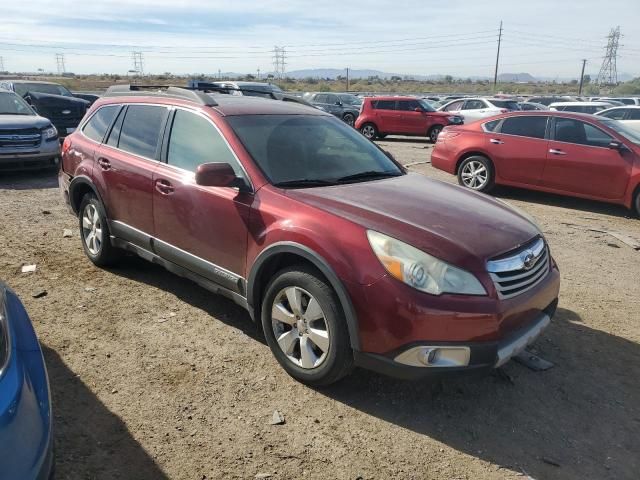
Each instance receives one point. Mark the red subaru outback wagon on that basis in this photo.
(382, 116)
(341, 255)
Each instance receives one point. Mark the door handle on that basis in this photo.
(164, 187)
(496, 141)
(557, 152)
(104, 163)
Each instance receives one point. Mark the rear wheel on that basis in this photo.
(349, 119)
(434, 132)
(305, 327)
(636, 202)
(94, 232)
(369, 130)
(476, 173)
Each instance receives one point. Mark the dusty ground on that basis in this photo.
(153, 377)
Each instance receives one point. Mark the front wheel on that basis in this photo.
(369, 130)
(636, 203)
(434, 132)
(305, 327)
(476, 173)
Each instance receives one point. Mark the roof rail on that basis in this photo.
(161, 91)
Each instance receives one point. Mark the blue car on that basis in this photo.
(26, 441)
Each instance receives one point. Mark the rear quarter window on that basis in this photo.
(100, 122)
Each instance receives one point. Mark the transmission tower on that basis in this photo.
(279, 56)
(1, 64)
(60, 63)
(138, 63)
(608, 75)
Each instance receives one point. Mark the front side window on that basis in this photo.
(332, 99)
(310, 150)
(100, 122)
(574, 131)
(12, 104)
(194, 141)
(141, 129)
(533, 126)
(408, 105)
(616, 113)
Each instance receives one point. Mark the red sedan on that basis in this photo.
(558, 152)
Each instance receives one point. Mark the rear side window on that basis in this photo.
(454, 106)
(141, 129)
(574, 131)
(100, 122)
(510, 104)
(533, 127)
(194, 141)
(474, 105)
(322, 98)
(634, 114)
(385, 105)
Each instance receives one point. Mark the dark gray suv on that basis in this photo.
(27, 140)
(343, 105)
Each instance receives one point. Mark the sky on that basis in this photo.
(547, 38)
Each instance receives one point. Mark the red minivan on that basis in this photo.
(560, 152)
(382, 116)
(341, 255)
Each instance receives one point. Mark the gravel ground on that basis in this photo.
(153, 377)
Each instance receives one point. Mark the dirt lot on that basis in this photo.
(153, 377)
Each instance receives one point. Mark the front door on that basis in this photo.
(579, 160)
(412, 119)
(203, 229)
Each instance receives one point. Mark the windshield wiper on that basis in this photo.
(367, 175)
(304, 182)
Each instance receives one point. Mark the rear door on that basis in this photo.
(203, 229)
(476, 109)
(519, 150)
(386, 115)
(410, 121)
(124, 170)
(579, 160)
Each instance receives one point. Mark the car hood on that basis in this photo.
(11, 122)
(55, 105)
(455, 224)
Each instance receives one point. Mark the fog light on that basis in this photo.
(435, 356)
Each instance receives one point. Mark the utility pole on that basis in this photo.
(584, 62)
(1, 64)
(60, 63)
(495, 75)
(258, 74)
(347, 79)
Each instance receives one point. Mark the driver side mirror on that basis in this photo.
(218, 175)
(616, 145)
(339, 103)
(417, 109)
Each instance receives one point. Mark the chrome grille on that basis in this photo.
(20, 138)
(520, 271)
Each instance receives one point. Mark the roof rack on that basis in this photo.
(196, 96)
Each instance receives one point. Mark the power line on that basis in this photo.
(608, 75)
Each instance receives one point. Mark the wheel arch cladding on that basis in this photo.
(78, 188)
(283, 254)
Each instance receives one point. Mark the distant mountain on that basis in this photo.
(516, 77)
(333, 73)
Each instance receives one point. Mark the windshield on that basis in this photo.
(622, 129)
(12, 104)
(23, 88)
(426, 106)
(351, 100)
(308, 149)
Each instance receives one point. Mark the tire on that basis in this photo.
(312, 347)
(349, 119)
(434, 132)
(369, 130)
(636, 203)
(93, 220)
(483, 180)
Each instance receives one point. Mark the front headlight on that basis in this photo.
(421, 270)
(50, 133)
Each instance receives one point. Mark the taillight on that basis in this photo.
(66, 144)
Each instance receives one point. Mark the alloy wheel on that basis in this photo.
(369, 132)
(433, 135)
(92, 229)
(475, 175)
(349, 119)
(300, 327)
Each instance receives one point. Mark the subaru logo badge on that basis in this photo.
(528, 259)
(66, 112)
(15, 138)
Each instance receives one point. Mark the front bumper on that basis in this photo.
(46, 156)
(483, 356)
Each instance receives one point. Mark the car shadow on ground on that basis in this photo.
(578, 420)
(29, 180)
(553, 200)
(102, 445)
(393, 139)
